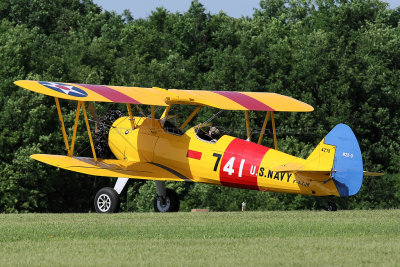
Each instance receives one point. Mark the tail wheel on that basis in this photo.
(330, 205)
(106, 201)
(168, 203)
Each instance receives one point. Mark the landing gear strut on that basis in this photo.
(166, 200)
(107, 199)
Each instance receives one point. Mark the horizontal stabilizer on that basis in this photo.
(112, 167)
(294, 167)
(320, 162)
(372, 173)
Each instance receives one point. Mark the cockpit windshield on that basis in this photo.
(170, 127)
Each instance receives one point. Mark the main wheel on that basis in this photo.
(106, 200)
(168, 203)
(330, 205)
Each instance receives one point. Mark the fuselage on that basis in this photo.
(228, 161)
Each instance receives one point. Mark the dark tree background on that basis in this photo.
(341, 56)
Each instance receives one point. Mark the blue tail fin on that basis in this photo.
(347, 171)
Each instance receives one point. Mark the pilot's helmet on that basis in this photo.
(214, 132)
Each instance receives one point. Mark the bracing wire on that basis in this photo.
(212, 117)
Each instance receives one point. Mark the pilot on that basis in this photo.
(214, 133)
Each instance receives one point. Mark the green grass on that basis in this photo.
(202, 239)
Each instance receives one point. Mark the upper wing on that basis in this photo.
(229, 100)
(100, 93)
(112, 167)
(232, 100)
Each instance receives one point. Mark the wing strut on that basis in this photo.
(274, 130)
(153, 118)
(64, 133)
(190, 117)
(89, 133)
(263, 127)
(246, 115)
(165, 113)
(131, 116)
(269, 114)
(78, 109)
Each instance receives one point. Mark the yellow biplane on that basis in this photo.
(155, 149)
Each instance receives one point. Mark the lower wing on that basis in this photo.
(112, 167)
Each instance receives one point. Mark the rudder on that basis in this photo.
(347, 171)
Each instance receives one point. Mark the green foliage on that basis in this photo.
(144, 198)
(340, 56)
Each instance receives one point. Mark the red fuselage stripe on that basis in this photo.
(110, 93)
(244, 100)
(240, 164)
(194, 154)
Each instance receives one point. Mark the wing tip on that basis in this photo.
(36, 156)
(19, 82)
(24, 83)
(305, 107)
(310, 108)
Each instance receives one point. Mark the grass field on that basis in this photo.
(202, 239)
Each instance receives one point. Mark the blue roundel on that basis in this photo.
(65, 89)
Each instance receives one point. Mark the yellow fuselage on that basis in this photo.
(228, 161)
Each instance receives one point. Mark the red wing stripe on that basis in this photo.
(246, 101)
(194, 154)
(110, 93)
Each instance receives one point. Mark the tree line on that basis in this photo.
(340, 56)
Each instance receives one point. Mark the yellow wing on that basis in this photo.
(112, 167)
(232, 100)
(100, 93)
(229, 100)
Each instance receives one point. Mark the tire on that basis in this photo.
(330, 206)
(107, 201)
(168, 203)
